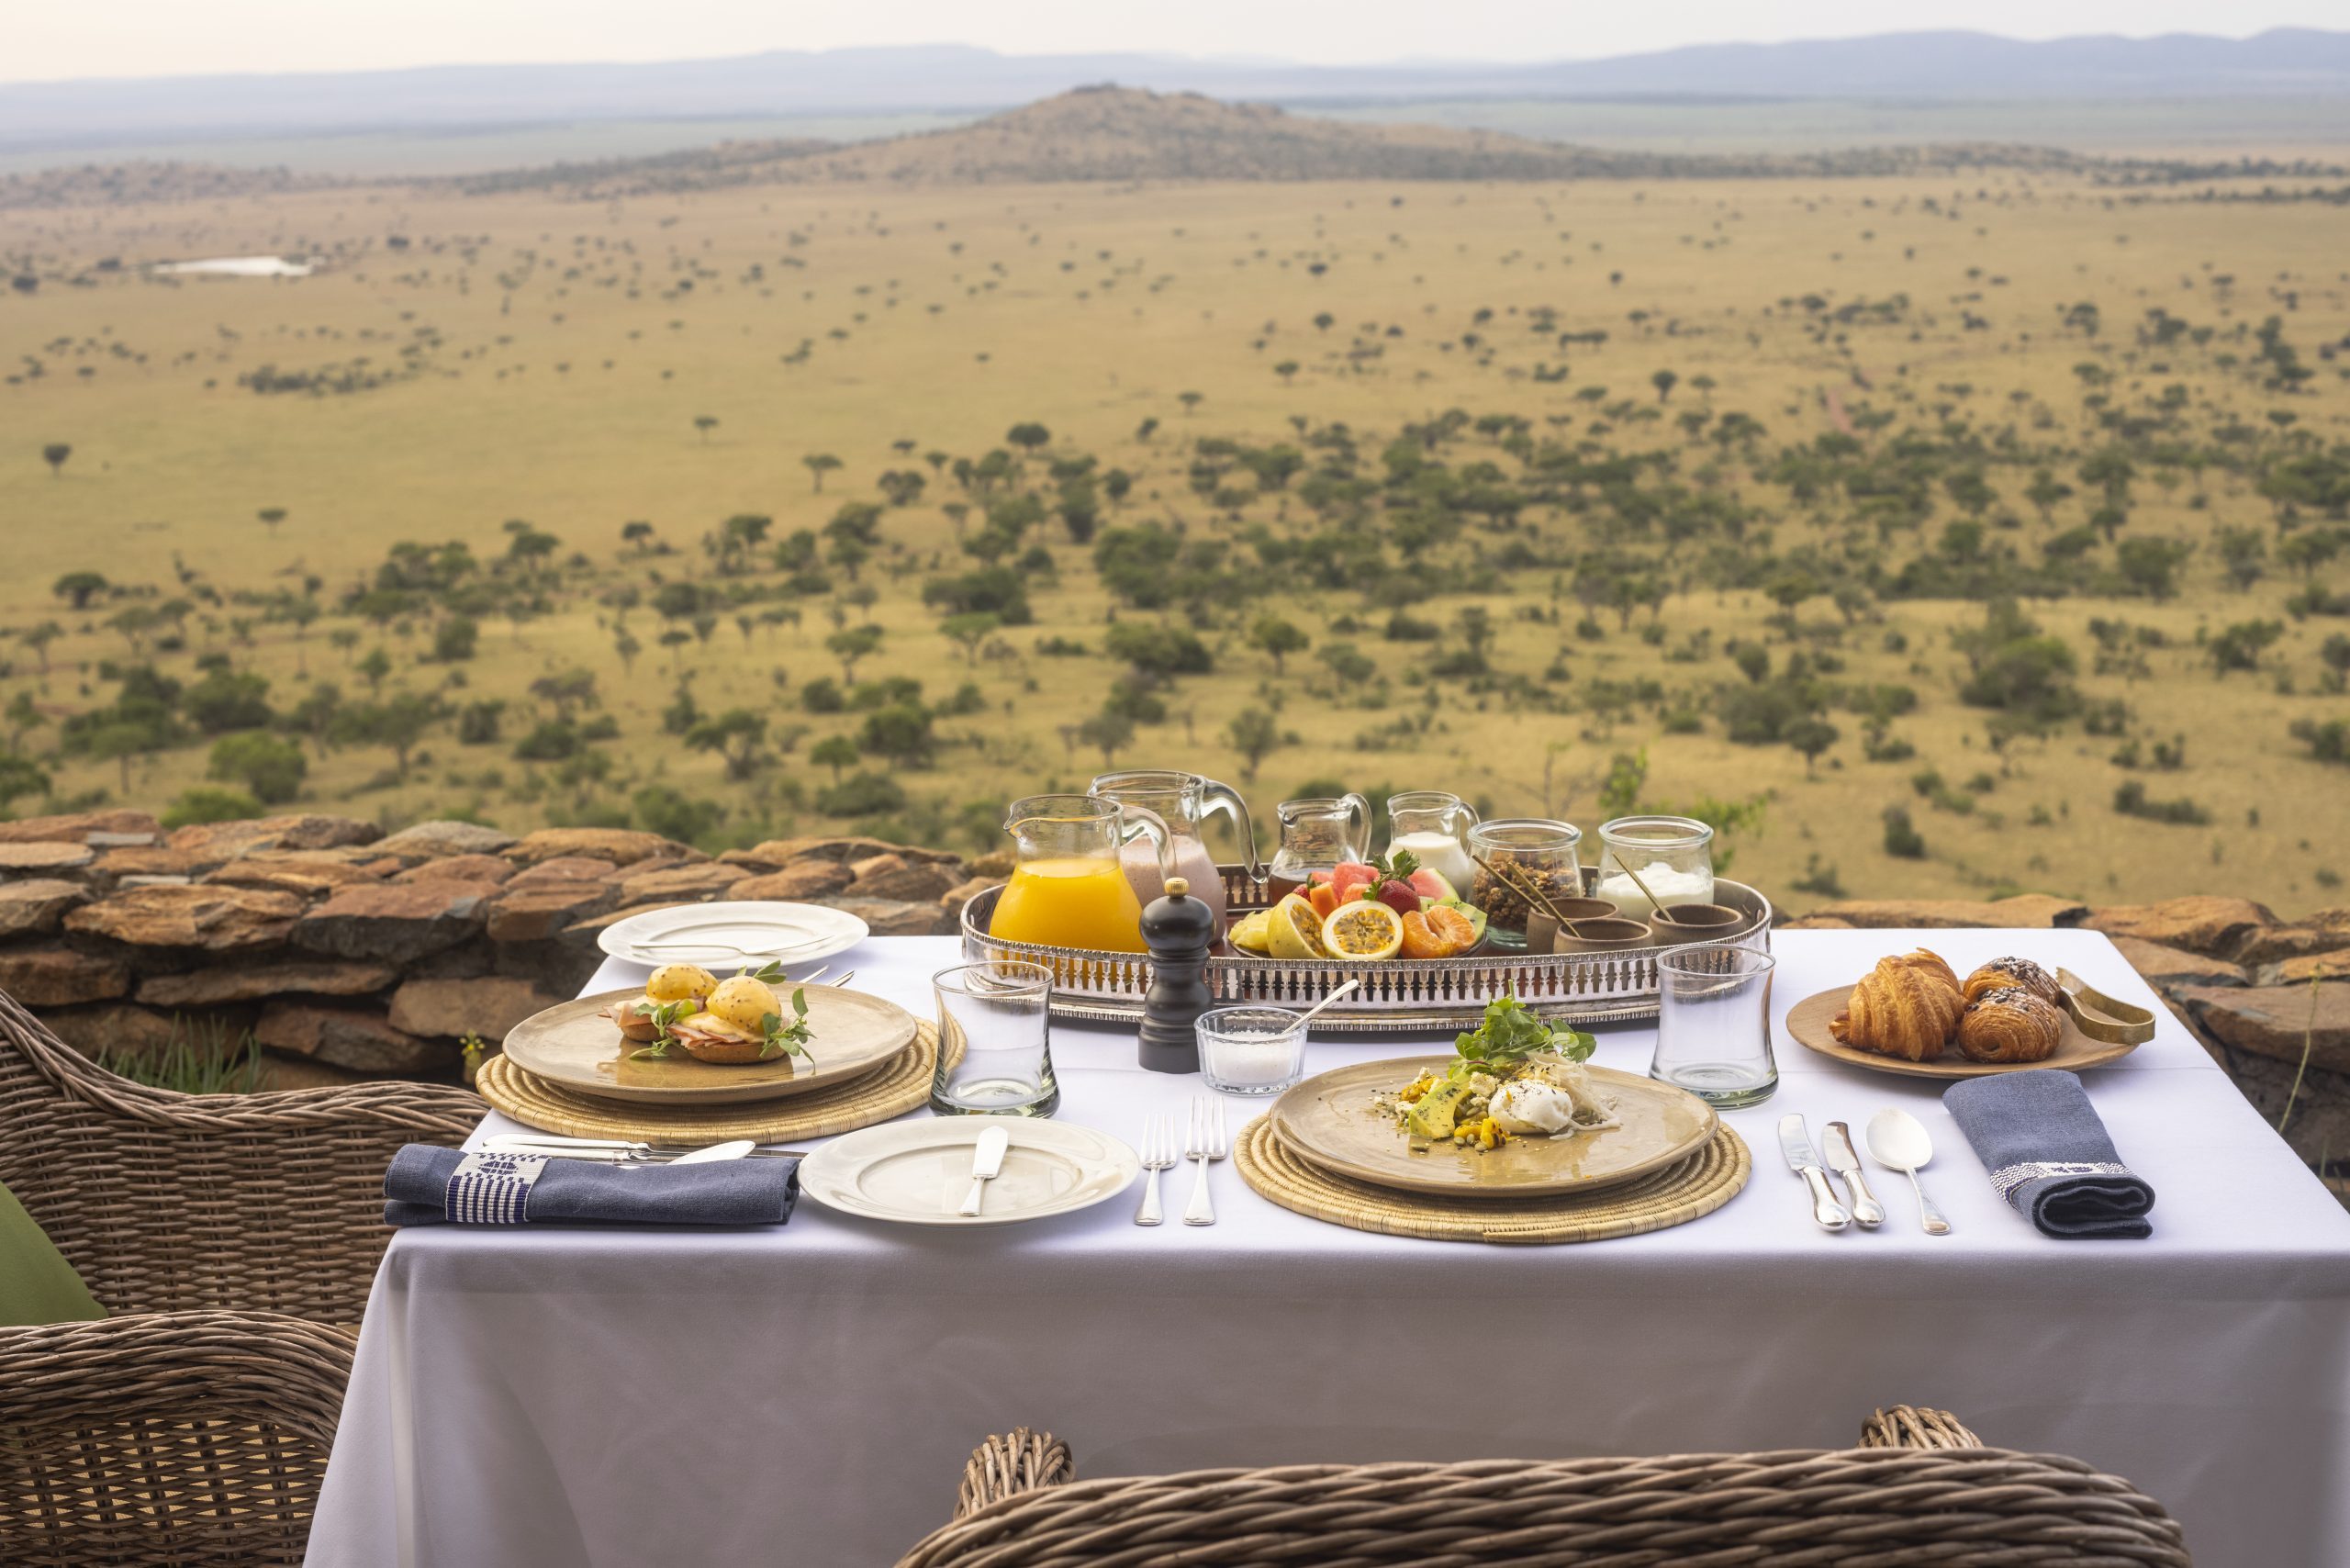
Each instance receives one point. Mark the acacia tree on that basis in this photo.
(54, 454)
(1277, 639)
(78, 589)
(1254, 734)
(738, 735)
(819, 464)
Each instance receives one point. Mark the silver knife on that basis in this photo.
(1796, 1144)
(1837, 1140)
(987, 1158)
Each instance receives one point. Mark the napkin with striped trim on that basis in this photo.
(430, 1185)
(2049, 1154)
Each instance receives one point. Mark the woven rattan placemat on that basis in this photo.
(893, 1090)
(1698, 1185)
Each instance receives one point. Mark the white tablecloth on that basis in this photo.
(807, 1396)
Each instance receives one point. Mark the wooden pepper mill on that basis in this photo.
(1177, 929)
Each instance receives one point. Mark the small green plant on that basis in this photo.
(197, 1059)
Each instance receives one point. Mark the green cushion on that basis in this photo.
(36, 1285)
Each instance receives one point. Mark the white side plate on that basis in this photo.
(716, 935)
(915, 1172)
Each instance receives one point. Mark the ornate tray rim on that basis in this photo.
(1475, 973)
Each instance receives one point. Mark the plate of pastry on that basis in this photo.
(1913, 1014)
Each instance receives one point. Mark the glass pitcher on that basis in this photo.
(1315, 836)
(1069, 887)
(1183, 802)
(1431, 826)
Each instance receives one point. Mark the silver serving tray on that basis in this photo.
(1395, 993)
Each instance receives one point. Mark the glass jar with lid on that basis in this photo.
(1674, 857)
(1522, 857)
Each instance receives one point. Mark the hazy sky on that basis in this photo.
(157, 38)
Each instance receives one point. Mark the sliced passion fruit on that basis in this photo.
(1364, 929)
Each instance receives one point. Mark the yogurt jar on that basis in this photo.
(1674, 857)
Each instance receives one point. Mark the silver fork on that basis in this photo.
(1158, 1155)
(1207, 1146)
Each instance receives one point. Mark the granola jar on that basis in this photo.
(1519, 854)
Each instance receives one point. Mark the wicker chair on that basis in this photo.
(1920, 1489)
(166, 1201)
(167, 1438)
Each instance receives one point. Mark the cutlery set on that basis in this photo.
(1205, 1141)
(1897, 1141)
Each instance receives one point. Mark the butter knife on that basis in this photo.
(987, 1159)
(1837, 1140)
(1795, 1142)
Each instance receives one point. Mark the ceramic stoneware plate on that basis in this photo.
(916, 1172)
(1807, 1022)
(719, 935)
(1344, 1120)
(575, 1046)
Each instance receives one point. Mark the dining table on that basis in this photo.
(808, 1393)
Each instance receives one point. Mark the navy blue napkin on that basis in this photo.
(590, 1192)
(2049, 1155)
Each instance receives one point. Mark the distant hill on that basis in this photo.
(1125, 133)
(66, 115)
(1113, 133)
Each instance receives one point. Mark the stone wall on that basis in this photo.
(348, 952)
(2268, 998)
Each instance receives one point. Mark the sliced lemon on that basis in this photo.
(1364, 929)
(1252, 932)
(1297, 930)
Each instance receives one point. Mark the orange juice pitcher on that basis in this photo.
(1068, 888)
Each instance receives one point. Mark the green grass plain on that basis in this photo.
(562, 363)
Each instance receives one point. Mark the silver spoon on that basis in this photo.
(1342, 991)
(1898, 1141)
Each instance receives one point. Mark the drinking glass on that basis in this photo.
(997, 1014)
(1713, 1032)
(1251, 1050)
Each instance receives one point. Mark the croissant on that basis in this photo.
(2021, 973)
(1930, 963)
(2009, 1024)
(1901, 1008)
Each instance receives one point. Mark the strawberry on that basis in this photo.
(1401, 897)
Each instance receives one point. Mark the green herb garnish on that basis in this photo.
(661, 1017)
(778, 1037)
(1510, 1035)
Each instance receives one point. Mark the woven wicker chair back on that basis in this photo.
(166, 1440)
(164, 1201)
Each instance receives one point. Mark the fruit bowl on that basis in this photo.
(1392, 993)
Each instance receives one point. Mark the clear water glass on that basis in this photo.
(1251, 1050)
(999, 1014)
(1713, 1031)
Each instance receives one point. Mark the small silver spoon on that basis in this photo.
(1898, 1141)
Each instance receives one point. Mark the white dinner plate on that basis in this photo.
(916, 1172)
(715, 935)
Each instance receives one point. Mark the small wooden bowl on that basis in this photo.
(1695, 922)
(1542, 931)
(1607, 934)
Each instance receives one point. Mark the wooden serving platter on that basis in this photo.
(1807, 1022)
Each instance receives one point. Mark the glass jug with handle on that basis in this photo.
(1069, 887)
(1183, 802)
(1433, 826)
(1316, 835)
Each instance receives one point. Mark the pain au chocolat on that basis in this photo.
(2020, 973)
(2009, 1023)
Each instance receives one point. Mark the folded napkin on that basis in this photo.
(2048, 1154)
(424, 1186)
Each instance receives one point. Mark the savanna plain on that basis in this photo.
(1959, 533)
